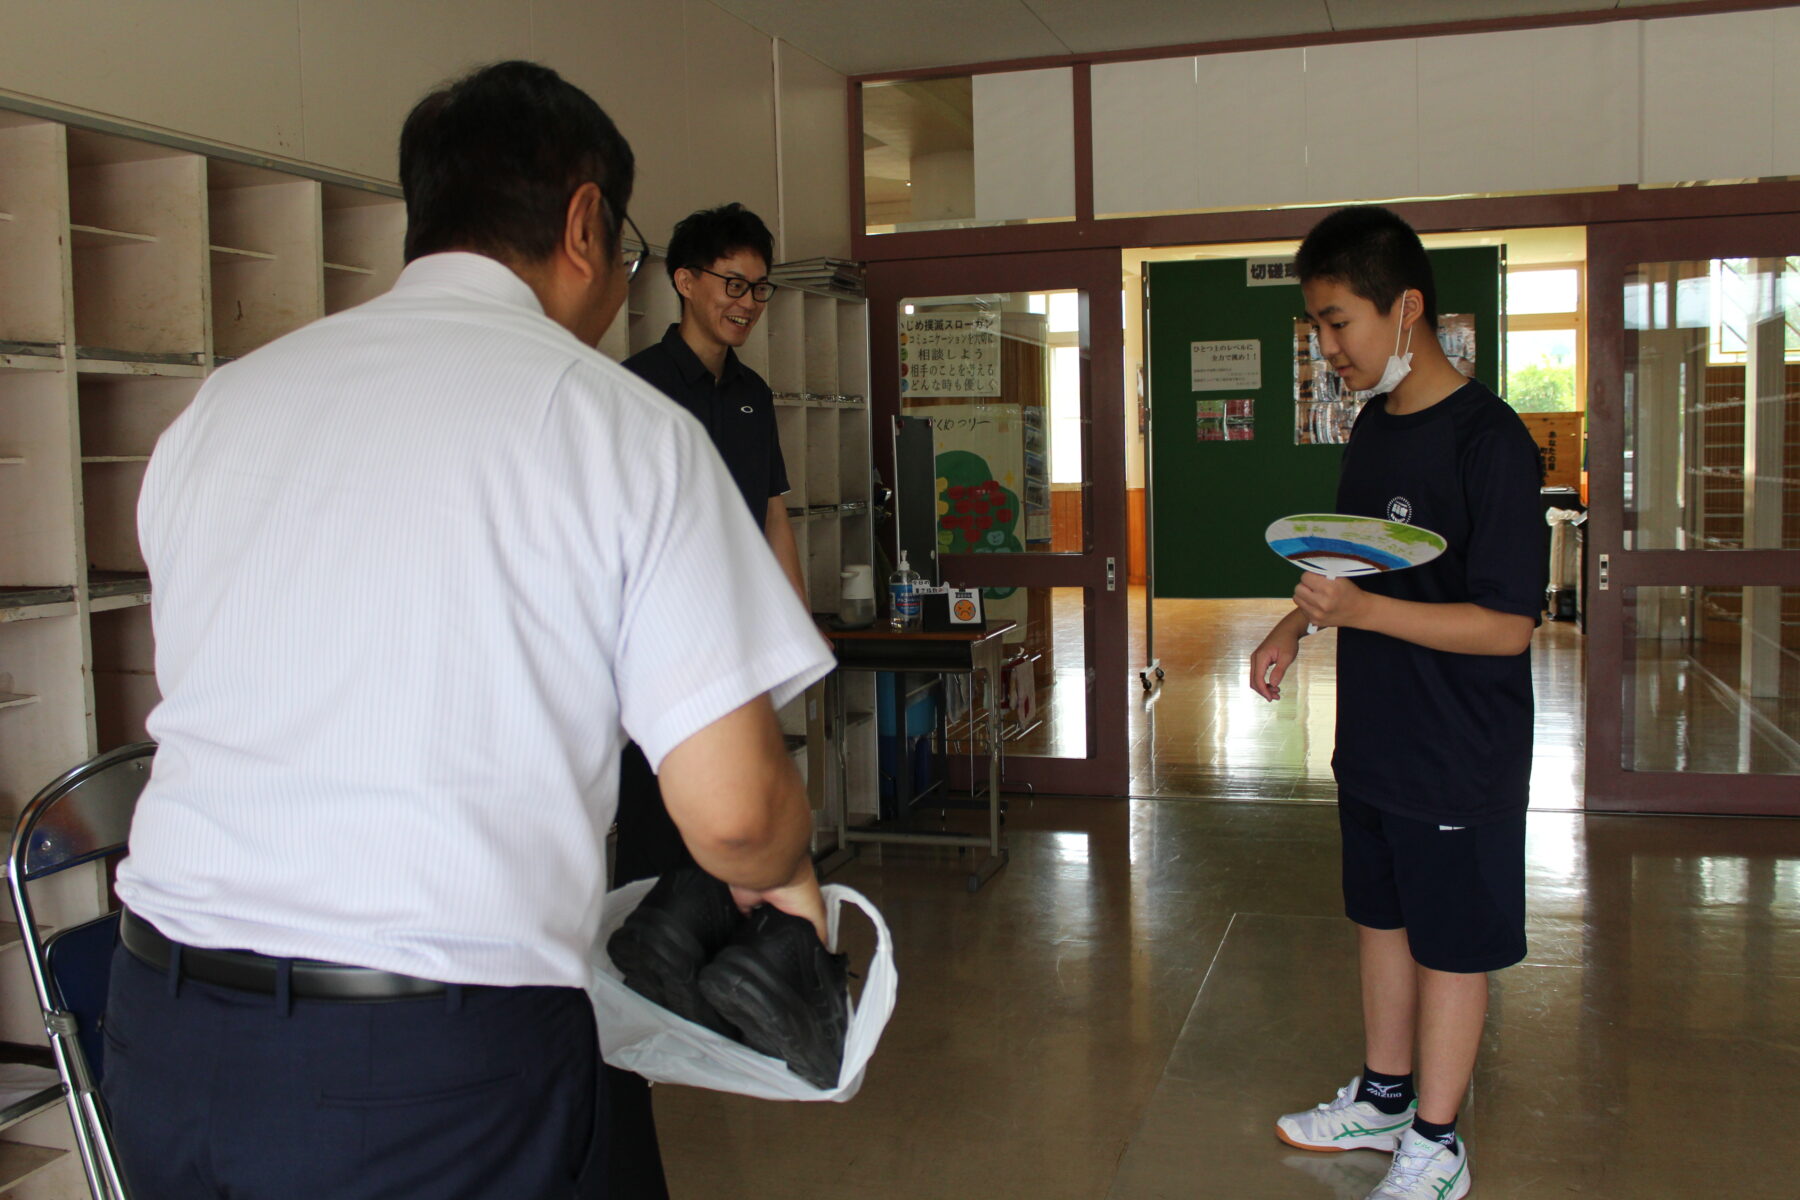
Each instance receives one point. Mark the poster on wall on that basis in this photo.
(1225, 420)
(950, 352)
(1324, 409)
(1226, 366)
(981, 480)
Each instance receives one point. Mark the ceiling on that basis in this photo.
(861, 37)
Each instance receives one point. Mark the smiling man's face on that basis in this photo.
(712, 313)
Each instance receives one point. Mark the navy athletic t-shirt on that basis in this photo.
(1424, 733)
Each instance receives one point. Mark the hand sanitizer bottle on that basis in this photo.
(903, 597)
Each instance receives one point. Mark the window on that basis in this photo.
(1546, 338)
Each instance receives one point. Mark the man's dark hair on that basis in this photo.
(703, 238)
(488, 163)
(1373, 253)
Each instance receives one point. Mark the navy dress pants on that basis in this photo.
(477, 1093)
(649, 845)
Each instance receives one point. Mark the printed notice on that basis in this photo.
(1268, 272)
(950, 353)
(1227, 366)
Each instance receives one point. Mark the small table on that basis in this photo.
(975, 650)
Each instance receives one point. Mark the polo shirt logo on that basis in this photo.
(1400, 509)
(746, 409)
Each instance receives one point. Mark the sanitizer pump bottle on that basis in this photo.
(903, 597)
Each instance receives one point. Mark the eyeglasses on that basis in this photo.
(737, 285)
(632, 257)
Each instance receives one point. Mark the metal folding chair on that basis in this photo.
(82, 817)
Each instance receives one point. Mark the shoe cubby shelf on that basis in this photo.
(132, 270)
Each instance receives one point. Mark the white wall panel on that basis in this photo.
(1251, 151)
(624, 54)
(730, 148)
(1362, 138)
(1709, 94)
(366, 65)
(815, 158)
(1024, 144)
(225, 72)
(1528, 110)
(1784, 42)
(1146, 136)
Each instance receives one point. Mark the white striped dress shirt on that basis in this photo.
(420, 568)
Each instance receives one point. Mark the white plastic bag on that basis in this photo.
(637, 1035)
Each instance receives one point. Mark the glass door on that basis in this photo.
(1016, 362)
(1693, 576)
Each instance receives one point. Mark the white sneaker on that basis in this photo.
(1345, 1123)
(1425, 1170)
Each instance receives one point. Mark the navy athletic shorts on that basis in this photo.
(1458, 891)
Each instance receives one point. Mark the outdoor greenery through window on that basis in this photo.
(1544, 336)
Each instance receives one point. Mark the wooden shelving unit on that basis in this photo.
(133, 269)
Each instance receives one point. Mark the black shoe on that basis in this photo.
(778, 983)
(687, 918)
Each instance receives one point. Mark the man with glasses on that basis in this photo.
(421, 568)
(719, 265)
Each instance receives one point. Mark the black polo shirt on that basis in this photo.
(737, 409)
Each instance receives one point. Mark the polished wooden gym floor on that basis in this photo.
(1125, 1009)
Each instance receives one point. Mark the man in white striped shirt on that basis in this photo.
(420, 568)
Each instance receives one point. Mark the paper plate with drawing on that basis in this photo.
(1339, 546)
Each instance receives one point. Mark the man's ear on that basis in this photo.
(684, 282)
(584, 240)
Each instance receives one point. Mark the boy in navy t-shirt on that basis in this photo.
(1433, 753)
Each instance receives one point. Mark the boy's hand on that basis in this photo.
(1331, 602)
(1271, 660)
(799, 898)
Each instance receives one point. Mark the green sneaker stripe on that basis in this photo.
(1364, 1130)
(1448, 1185)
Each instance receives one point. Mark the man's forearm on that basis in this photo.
(1455, 628)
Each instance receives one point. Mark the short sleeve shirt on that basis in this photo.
(1421, 732)
(420, 569)
(737, 411)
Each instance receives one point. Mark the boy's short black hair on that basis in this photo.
(488, 163)
(703, 238)
(1373, 253)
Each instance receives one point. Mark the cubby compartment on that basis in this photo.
(42, 701)
(137, 249)
(822, 454)
(853, 348)
(821, 341)
(264, 252)
(790, 428)
(37, 534)
(124, 676)
(786, 320)
(853, 454)
(33, 213)
(364, 242)
(823, 561)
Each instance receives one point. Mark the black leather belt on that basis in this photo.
(247, 971)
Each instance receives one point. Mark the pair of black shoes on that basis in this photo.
(764, 979)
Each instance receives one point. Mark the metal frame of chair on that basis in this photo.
(81, 817)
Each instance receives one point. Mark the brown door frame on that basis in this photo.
(1610, 786)
(1105, 771)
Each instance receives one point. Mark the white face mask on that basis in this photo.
(1399, 365)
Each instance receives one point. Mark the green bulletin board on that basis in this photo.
(1211, 500)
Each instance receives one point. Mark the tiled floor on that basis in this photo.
(1125, 1008)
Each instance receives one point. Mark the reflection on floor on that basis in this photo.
(1690, 715)
(1125, 1008)
(1204, 733)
